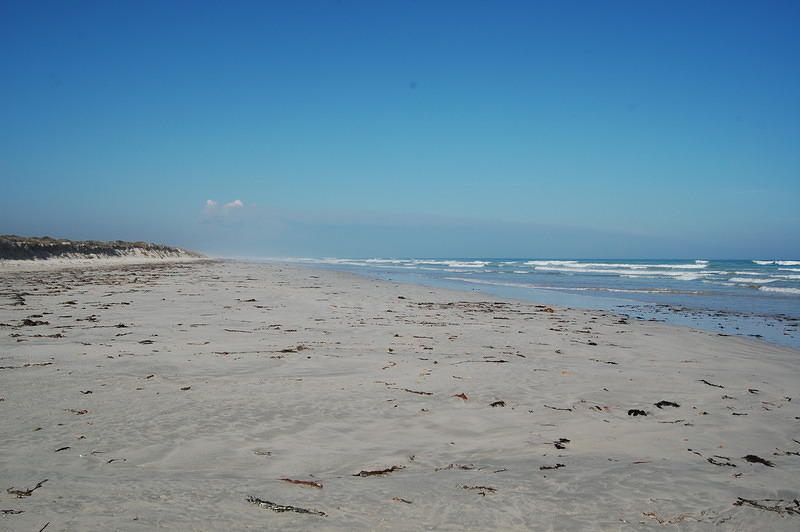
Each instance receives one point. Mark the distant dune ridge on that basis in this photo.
(13, 247)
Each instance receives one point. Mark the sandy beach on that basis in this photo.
(227, 396)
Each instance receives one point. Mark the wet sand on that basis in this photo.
(165, 395)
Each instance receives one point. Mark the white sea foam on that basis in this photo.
(778, 262)
(578, 288)
(550, 262)
(521, 271)
(749, 273)
(790, 269)
(751, 280)
(585, 266)
(387, 261)
(684, 276)
(453, 263)
(780, 290)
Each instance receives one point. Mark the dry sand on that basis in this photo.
(164, 395)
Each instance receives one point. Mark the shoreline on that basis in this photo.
(774, 329)
(165, 395)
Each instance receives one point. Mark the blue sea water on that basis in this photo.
(754, 298)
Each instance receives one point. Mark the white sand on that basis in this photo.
(149, 454)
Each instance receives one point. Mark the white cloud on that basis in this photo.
(212, 210)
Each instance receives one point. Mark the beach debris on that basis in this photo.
(61, 449)
(780, 507)
(28, 365)
(27, 322)
(85, 392)
(559, 443)
(556, 408)
(390, 365)
(462, 396)
(302, 482)
(753, 390)
(546, 309)
(464, 467)
(45, 526)
(399, 499)
(416, 392)
(545, 468)
(76, 412)
(146, 342)
(283, 507)
(25, 493)
(497, 404)
(7, 512)
(379, 472)
(753, 459)
(662, 404)
(262, 453)
(718, 463)
(661, 521)
(482, 490)
(636, 412)
(604, 361)
(711, 383)
(186, 388)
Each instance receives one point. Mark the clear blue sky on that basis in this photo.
(575, 129)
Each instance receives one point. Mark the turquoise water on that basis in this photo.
(754, 298)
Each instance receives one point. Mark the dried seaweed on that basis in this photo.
(379, 471)
(718, 463)
(283, 507)
(416, 392)
(790, 508)
(28, 365)
(462, 396)
(302, 482)
(662, 404)
(559, 443)
(497, 404)
(25, 493)
(711, 383)
(753, 459)
(556, 408)
(463, 467)
(482, 490)
(557, 466)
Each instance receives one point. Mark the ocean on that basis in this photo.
(754, 298)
